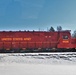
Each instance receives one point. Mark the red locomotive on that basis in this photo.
(30, 41)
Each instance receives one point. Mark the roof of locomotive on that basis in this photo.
(38, 31)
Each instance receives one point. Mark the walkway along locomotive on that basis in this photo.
(32, 41)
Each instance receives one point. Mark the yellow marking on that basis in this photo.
(4, 39)
(23, 48)
(15, 39)
(18, 39)
(27, 38)
(7, 49)
(66, 41)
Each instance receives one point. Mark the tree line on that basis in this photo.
(59, 28)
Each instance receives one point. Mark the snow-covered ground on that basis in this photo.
(38, 64)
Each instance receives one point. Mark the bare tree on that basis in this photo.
(74, 34)
(59, 28)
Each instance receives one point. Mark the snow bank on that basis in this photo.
(37, 69)
(39, 58)
(38, 64)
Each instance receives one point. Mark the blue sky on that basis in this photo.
(37, 14)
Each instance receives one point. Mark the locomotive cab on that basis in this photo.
(65, 40)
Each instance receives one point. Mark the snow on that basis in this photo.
(37, 69)
(38, 64)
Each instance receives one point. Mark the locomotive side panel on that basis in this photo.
(30, 40)
(15, 45)
(23, 45)
(7, 45)
(73, 42)
(1, 45)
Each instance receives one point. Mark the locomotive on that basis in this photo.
(36, 41)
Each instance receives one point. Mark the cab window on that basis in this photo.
(65, 37)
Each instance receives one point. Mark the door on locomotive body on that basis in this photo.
(65, 40)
